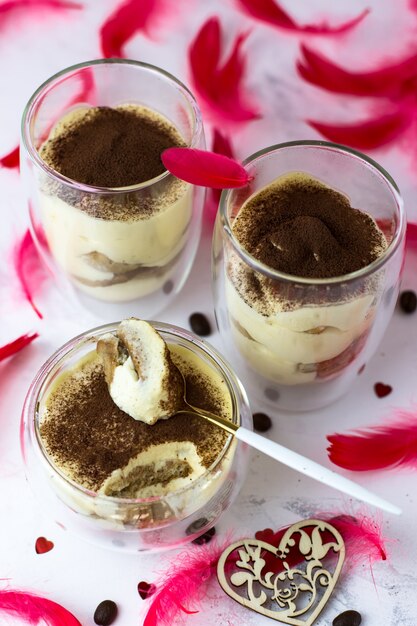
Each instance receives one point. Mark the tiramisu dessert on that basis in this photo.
(290, 333)
(119, 241)
(110, 424)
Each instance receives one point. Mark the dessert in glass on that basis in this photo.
(126, 482)
(109, 220)
(306, 262)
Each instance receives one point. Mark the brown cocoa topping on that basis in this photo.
(87, 432)
(301, 227)
(112, 147)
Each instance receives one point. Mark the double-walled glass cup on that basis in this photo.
(304, 349)
(131, 525)
(116, 250)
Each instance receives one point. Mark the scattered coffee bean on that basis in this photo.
(261, 422)
(168, 287)
(196, 526)
(145, 590)
(271, 394)
(348, 618)
(206, 538)
(200, 324)
(105, 613)
(408, 301)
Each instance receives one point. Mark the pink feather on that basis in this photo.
(15, 346)
(393, 80)
(9, 7)
(12, 159)
(29, 269)
(204, 168)
(411, 240)
(220, 85)
(361, 533)
(129, 18)
(181, 590)
(367, 135)
(33, 609)
(383, 446)
(270, 12)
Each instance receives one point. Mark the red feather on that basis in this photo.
(130, 17)
(361, 533)
(367, 135)
(395, 80)
(15, 346)
(183, 585)
(222, 144)
(271, 12)
(377, 447)
(29, 269)
(12, 159)
(33, 609)
(204, 168)
(411, 239)
(13, 6)
(220, 86)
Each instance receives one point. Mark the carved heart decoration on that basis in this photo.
(289, 594)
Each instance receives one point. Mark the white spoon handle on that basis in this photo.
(312, 469)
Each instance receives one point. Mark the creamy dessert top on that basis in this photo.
(300, 226)
(112, 148)
(142, 378)
(102, 448)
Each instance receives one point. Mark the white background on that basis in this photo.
(80, 575)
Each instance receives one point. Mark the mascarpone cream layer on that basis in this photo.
(277, 344)
(150, 241)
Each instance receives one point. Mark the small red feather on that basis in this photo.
(29, 269)
(33, 609)
(221, 145)
(12, 159)
(377, 447)
(204, 168)
(220, 86)
(184, 584)
(395, 80)
(15, 346)
(368, 135)
(129, 18)
(270, 12)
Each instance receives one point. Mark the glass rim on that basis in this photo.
(258, 266)
(30, 410)
(50, 83)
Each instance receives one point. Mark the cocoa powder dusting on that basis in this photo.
(112, 147)
(86, 433)
(304, 228)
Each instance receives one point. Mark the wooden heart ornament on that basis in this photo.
(290, 582)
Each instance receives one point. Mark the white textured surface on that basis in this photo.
(79, 575)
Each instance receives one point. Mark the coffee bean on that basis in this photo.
(348, 618)
(408, 301)
(261, 422)
(200, 324)
(145, 589)
(105, 613)
(206, 538)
